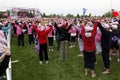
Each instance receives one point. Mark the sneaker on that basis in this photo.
(106, 72)
(52, 50)
(95, 63)
(110, 58)
(80, 55)
(70, 46)
(47, 62)
(118, 60)
(86, 72)
(93, 75)
(59, 59)
(40, 62)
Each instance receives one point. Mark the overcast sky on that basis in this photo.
(96, 7)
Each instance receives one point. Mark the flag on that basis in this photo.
(115, 13)
(84, 11)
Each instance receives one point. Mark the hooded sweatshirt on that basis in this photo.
(89, 42)
(42, 34)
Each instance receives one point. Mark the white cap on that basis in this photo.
(115, 23)
(88, 28)
(39, 24)
(29, 23)
(50, 23)
(1, 24)
(114, 26)
(19, 23)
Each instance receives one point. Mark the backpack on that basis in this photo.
(115, 39)
(60, 37)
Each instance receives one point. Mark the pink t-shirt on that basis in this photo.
(51, 33)
(98, 36)
(73, 31)
(79, 29)
(30, 30)
(19, 30)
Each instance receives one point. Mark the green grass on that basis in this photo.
(28, 67)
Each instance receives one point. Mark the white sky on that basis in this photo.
(96, 7)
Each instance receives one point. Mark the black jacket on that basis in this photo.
(105, 38)
(62, 33)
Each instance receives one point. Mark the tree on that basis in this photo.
(78, 16)
(108, 14)
(8, 12)
(69, 15)
(31, 14)
(43, 15)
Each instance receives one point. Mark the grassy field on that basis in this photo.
(28, 67)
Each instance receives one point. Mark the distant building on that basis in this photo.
(24, 13)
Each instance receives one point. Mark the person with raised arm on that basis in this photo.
(88, 36)
(42, 38)
(105, 44)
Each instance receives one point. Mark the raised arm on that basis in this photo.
(56, 26)
(101, 27)
(6, 28)
(94, 29)
(36, 29)
(50, 28)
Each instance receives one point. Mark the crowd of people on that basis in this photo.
(95, 36)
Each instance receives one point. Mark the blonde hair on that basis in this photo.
(42, 23)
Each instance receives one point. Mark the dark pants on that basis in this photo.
(30, 38)
(58, 44)
(21, 39)
(105, 56)
(43, 51)
(50, 40)
(4, 65)
(89, 59)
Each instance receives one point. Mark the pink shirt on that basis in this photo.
(18, 30)
(98, 36)
(51, 32)
(73, 31)
(30, 29)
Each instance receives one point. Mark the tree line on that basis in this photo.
(107, 14)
